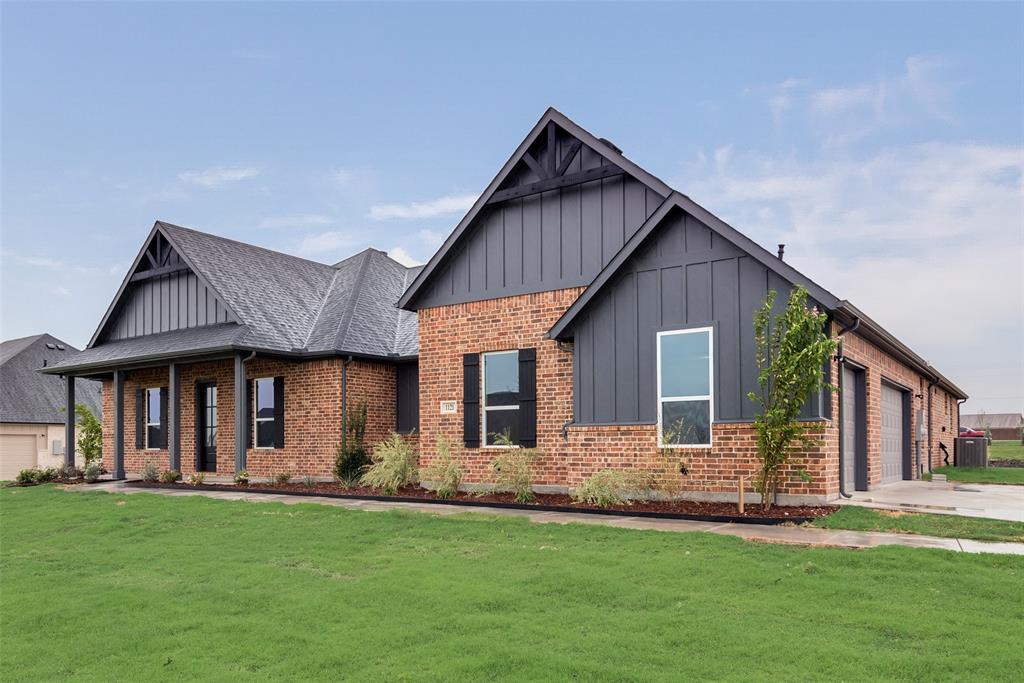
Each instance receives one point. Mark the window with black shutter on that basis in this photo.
(154, 411)
(528, 398)
(268, 412)
(140, 418)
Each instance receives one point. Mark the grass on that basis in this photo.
(983, 475)
(1006, 450)
(946, 526)
(150, 587)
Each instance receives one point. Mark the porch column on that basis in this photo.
(69, 422)
(118, 472)
(174, 401)
(241, 414)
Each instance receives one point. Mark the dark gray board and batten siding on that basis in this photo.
(684, 276)
(548, 241)
(163, 304)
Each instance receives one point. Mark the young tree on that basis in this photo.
(90, 434)
(791, 352)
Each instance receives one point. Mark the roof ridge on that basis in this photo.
(323, 304)
(250, 245)
(346, 319)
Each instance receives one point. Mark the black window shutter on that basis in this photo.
(528, 398)
(199, 421)
(248, 413)
(140, 418)
(164, 422)
(279, 412)
(471, 400)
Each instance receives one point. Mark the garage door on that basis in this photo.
(849, 399)
(17, 452)
(892, 435)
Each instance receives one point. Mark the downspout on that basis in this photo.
(344, 402)
(931, 383)
(852, 327)
(959, 402)
(565, 348)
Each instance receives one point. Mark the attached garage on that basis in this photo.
(894, 435)
(854, 454)
(17, 452)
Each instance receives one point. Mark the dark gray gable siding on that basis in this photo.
(552, 240)
(684, 275)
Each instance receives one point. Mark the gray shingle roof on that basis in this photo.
(283, 303)
(27, 395)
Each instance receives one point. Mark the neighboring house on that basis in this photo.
(581, 306)
(32, 410)
(1003, 426)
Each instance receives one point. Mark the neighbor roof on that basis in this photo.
(280, 304)
(993, 420)
(26, 395)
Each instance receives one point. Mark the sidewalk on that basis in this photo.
(995, 501)
(751, 532)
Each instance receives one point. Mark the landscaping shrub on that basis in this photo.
(93, 471)
(150, 472)
(242, 477)
(45, 475)
(444, 471)
(27, 477)
(282, 477)
(90, 434)
(196, 478)
(351, 458)
(69, 472)
(614, 487)
(309, 481)
(513, 470)
(169, 476)
(394, 465)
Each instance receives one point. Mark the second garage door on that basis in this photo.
(892, 434)
(17, 452)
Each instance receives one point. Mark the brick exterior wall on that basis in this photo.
(448, 332)
(312, 414)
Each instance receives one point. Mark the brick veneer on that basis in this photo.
(312, 414)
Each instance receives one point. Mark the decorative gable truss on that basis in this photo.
(161, 293)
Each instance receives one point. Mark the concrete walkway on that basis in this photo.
(770, 534)
(995, 501)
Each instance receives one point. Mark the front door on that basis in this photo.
(206, 427)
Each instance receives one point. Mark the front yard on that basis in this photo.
(944, 526)
(983, 475)
(142, 587)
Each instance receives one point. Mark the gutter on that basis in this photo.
(852, 327)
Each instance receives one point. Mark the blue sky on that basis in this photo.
(882, 143)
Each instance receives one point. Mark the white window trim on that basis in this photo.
(148, 423)
(483, 398)
(255, 418)
(710, 397)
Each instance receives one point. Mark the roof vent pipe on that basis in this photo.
(782, 249)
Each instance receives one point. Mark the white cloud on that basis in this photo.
(214, 178)
(402, 256)
(325, 242)
(430, 238)
(296, 221)
(435, 207)
(60, 290)
(342, 176)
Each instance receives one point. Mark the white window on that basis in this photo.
(685, 388)
(263, 413)
(501, 397)
(154, 439)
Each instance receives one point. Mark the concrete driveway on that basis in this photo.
(946, 497)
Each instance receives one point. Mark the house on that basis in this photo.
(32, 409)
(1002, 426)
(581, 306)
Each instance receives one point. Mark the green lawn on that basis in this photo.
(148, 587)
(1006, 450)
(983, 475)
(946, 526)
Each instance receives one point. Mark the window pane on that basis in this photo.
(211, 397)
(153, 401)
(265, 397)
(686, 422)
(152, 436)
(265, 434)
(502, 421)
(501, 379)
(685, 364)
(211, 436)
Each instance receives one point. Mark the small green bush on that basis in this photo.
(242, 477)
(28, 477)
(150, 472)
(93, 471)
(614, 487)
(45, 475)
(309, 481)
(349, 464)
(169, 476)
(513, 470)
(69, 472)
(394, 465)
(282, 477)
(196, 478)
(444, 471)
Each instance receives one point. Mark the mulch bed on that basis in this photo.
(669, 509)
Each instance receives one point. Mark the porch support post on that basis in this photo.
(174, 438)
(69, 421)
(241, 414)
(118, 472)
